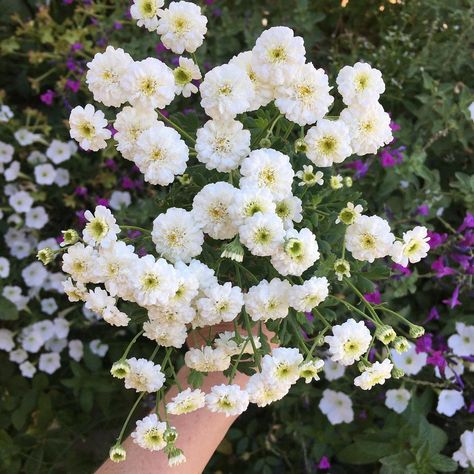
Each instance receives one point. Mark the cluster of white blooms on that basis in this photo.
(256, 210)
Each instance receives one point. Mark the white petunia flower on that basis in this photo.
(305, 98)
(222, 144)
(269, 169)
(397, 399)
(6, 152)
(328, 142)
(6, 340)
(59, 151)
(6, 113)
(377, 373)
(21, 201)
(49, 305)
(105, 73)
(182, 27)
(262, 233)
(228, 399)
(24, 137)
(268, 300)
(276, 53)
(27, 369)
(45, 174)
(360, 84)
(409, 361)
(98, 348)
(120, 200)
(337, 406)
(413, 248)
(62, 177)
(350, 340)
(333, 370)
(49, 362)
(161, 154)
(34, 274)
(18, 356)
(149, 433)
(368, 238)
(146, 13)
(449, 402)
(184, 74)
(149, 84)
(12, 172)
(4, 267)
(310, 294)
(144, 376)
(177, 236)
(88, 127)
(212, 210)
(76, 349)
(36, 218)
(464, 456)
(101, 228)
(225, 92)
(369, 127)
(462, 342)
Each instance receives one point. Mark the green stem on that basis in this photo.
(322, 318)
(362, 298)
(297, 331)
(177, 127)
(127, 350)
(353, 308)
(134, 227)
(234, 367)
(130, 413)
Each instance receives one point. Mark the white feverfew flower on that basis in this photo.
(186, 401)
(283, 365)
(105, 73)
(207, 359)
(59, 151)
(74, 292)
(177, 236)
(120, 200)
(262, 390)
(49, 362)
(349, 214)
(98, 299)
(397, 399)
(350, 340)
(225, 92)
(114, 316)
(34, 274)
(165, 334)
(222, 144)
(149, 433)
(360, 84)
(6, 152)
(21, 201)
(4, 267)
(268, 300)
(276, 53)
(369, 127)
(27, 369)
(45, 174)
(184, 74)
(368, 238)
(188, 286)
(464, 456)
(298, 252)
(328, 142)
(144, 376)
(462, 342)
(155, 281)
(377, 373)
(228, 399)
(309, 370)
(146, 13)
(226, 342)
(6, 340)
(221, 303)
(413, 248)
(36, 218)
(269, 169)
(250, 201)
(409, 361)
(161, 154)
(101, 228)
(149, 84)
(79, 261)
(337, 406)
(305, 98)
(309, 177)
(262, 234)
(130, 123)
(310, 294)
(182, 27)
(289, 210)
(449, 402)
(262, 91)
(88, 127)
(212, 210)
(205, 275)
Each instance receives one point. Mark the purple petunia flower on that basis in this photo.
(324, 463)
(81, 191)
(403, 270)
(441, 269)
(423, 210)
(424, 343)
(433, 314)
(102, 202)
(73, 85)
(361, 168)
(374, 297)
(453, 301)
(436, 239)
(47, 97)
(468, 222)
(437, 360)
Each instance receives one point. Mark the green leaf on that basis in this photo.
(364, 452)
(195, 378)
(8, 311)
(442, 463)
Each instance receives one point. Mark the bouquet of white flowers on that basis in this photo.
(247, 233)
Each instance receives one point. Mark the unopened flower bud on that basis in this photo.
(336, 182)
(416, 331)
(348, 181)
(265, 143)
(170, 435)
(363, 365)
(185, 179)
(400, 344)
(319, 341)
(120, 369)
(385, 334)
(70, 237)
(117, 453)
(45, 255)
(342, 268)
(397, 373)
(233, 250)
(301, 146)
(175, 455)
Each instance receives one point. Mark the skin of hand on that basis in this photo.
(200, 432)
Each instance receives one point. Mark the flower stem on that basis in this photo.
(177, 127)
(130, 413)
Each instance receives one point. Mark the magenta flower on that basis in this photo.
(433, 314)
(111, 164)
(453, 301)
(437, 360)
(423, 210)
(374, 297)
(424, 343)
(436, 239)
(128, 183)
(394, 126)
(81, 191)
(76, 47)
(403, 270)
(468, 240)
(102, 202)
(47, 97)
(361, 168)
(80, 217)
(73, 85)
(468, 222)
(160, 48)
(441, 270)
(324, 463)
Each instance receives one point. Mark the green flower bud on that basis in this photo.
(70, 237)
(397, 373)
(342, 268)
(416, 331)
(348, 181)
(319, 341)
(45, 255)
(301, 146)
(400, 344)
(120, 369)
(233, 250)
(117, 453)
(265, 143)
(185, 180)
(335, 182)
(170, 435)
(385, 334)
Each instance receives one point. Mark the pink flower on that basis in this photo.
(47, 97)
(324, 463)
(73, 85)
(374, 297)
(441, 270)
